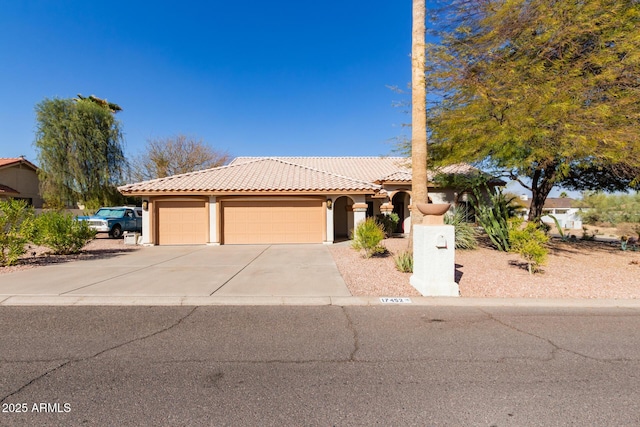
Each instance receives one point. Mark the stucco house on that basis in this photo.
(562, 208)
(258, 200)
(19, 180)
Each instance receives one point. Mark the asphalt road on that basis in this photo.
(322, 365)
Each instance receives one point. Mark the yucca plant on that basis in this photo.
(465, 233)
(493, 213)
(404, 261)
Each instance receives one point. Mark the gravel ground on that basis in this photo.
(579, 269)
(37, 256)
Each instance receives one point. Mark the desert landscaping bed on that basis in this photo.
(100, 247)
(581, 269)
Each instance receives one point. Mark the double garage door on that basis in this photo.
(242, 222)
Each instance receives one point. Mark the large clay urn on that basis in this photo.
(433, 212)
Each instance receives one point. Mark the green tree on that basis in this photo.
(175, 155)
(544, 91)
(610, 208)
(80, 151)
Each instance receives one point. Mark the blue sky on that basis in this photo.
(250, 77)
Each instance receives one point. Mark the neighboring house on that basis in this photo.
(257, 200)
(19, 180)
(562, 208)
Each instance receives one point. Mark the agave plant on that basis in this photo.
(493, 216)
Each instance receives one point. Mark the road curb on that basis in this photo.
(58, 300)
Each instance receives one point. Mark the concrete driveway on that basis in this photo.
(189, 271)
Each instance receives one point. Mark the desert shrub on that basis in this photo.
(367, 237)
(15, 222)
(599, 208)
(586, 235)
(529, 242)
(61, 232)
(404, 261)
(465, 233)
(493, 213)
(388, 222)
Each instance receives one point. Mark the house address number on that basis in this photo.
(387, 300)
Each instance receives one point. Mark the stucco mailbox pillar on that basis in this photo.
(359, 213)
(434, 259)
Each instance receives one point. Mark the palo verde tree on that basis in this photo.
(80, 151)
(175, 155)
(545, 91)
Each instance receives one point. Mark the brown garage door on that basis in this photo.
(182, 223)
(288, 221)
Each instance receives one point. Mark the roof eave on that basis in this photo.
(20, 162)
(215, 193)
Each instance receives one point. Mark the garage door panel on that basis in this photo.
(182, 222)
(273, 222)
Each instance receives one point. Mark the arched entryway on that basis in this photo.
(400, 202)
(342, 218)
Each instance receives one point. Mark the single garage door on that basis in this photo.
(283, 221)
(182, 223)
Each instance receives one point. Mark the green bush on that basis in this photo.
(529, 242)
(404, 261)
(388, 222)
(465, 233)
(61, 232)
(367, 237)
(15, 222)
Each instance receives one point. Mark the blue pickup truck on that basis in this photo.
(115, 220)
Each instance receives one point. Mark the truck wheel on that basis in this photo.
(116, 232)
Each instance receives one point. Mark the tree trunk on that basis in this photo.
(541, 185)
(418, 112)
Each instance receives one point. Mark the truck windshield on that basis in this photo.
(110, 213)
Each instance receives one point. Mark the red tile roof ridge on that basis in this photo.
(244, 164)
(321, 171)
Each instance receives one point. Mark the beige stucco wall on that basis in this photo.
(23, 179)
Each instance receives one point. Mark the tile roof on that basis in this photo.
(291, 174)
(16, 160)
(255, 175)
(549, 203)
(367, 169)
(558, 203)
